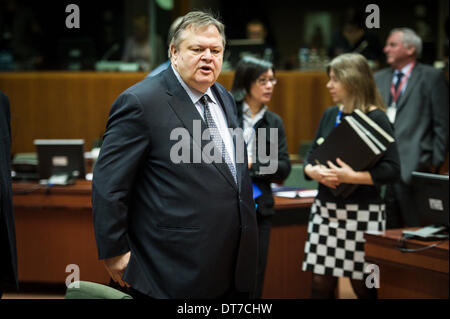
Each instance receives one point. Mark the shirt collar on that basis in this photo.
(194, 95)
(404, 69)
(247, 111)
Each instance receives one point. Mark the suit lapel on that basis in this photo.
(413, 80)
(186, 111)
(386, 89)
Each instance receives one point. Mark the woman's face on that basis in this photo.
(337, 91)
(261, 90)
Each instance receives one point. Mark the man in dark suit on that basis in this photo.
(171, 228)
(417, 100)
(8, 254)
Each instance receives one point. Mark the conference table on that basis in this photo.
(55, 235)
(409, 268)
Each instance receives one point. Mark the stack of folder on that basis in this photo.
(358, 141)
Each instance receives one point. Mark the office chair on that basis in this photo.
(303, 149)
(92, 290)
(297, 179)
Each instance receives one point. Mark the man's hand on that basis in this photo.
(250, 162)
(116, 267)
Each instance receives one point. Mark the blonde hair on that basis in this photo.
(353, 71)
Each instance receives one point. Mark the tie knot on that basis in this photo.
(399, 79)
(204, 100)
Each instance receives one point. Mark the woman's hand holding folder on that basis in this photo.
(323, 175)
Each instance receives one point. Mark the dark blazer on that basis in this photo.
(8, 257)
(269, 120)
(421, 123)
(191, 230)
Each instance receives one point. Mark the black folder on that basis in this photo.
(379, 135)
(357, 142)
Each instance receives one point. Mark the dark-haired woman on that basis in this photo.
(253, 85)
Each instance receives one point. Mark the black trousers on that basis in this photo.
(401, 208)
(6, 271)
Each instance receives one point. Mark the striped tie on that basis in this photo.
(216, 136)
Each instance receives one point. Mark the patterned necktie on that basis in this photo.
(399, 80)
(396, 85)
(216, 136)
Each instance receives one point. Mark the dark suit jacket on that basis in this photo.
(270, 120)
(8, 257)
(421, 123)
(191, 230)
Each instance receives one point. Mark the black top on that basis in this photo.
(386, 170)
(269, 120)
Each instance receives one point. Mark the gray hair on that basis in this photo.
(172, 29)
(195, 19)
(410, 38)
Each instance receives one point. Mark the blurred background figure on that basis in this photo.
(257, 30)
(166, 64)
(354, 37)
(138, 48)
(21, 37)
(8, 253)
(252, 89)
(417, 98)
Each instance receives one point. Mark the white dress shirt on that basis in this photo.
(216, 112)
(248, 124)
(391, 111)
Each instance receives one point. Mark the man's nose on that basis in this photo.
(207, 54)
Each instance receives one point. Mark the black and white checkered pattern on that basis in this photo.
(335, 244)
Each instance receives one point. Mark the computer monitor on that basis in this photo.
(431, 194)
(240, 48)
(60, 160)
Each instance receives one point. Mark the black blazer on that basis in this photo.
(269, 120)
(191, 230)
(8, 257)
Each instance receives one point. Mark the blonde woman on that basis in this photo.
(335, 245)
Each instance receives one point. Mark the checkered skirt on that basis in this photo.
(335, 244)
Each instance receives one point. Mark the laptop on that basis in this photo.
(431, 194)
(237, 49)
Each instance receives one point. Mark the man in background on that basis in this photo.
(416, 96)
(166, 64)
(8, 254)
(257, 30)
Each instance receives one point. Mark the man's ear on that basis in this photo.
(411, 50)
(173, 53)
